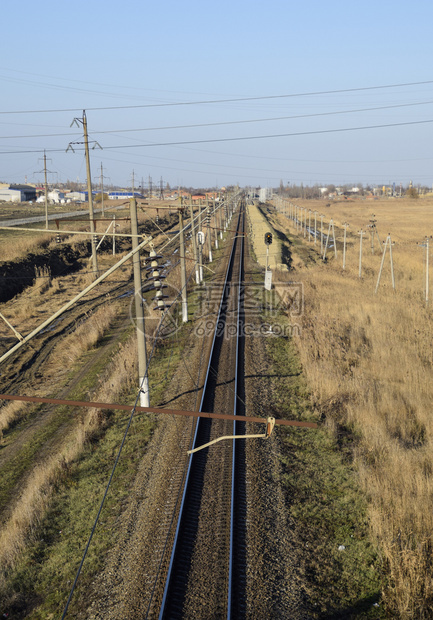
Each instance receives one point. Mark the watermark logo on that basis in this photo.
(157, 323)
(285, 298)
(261, 316)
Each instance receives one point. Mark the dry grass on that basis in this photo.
(87, 334)
(10, 413)
(39, 487)
(368, 360)
(16, 246)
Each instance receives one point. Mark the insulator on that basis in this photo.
(153, 257)
(159, 277)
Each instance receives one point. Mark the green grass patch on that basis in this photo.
(338, 558)
(25, 457)
(40, 585)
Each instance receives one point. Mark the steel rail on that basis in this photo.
(192, 456)
(235, 425)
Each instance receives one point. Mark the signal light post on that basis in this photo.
(268, 272)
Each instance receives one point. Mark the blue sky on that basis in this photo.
(70, 56)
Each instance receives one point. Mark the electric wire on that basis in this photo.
(156, 338)
(110, 479)
(234, 139)
(228, 100)
(221, 123)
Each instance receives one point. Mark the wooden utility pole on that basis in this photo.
(183, 266)
(143, 380)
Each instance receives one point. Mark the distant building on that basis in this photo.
(197, 197)
(18, 193)
(76, 196)
(10, 195)
(56, 197)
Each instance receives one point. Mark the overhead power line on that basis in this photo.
(229, 100)
(236, 139)
(219, 123)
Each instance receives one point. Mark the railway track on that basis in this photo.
(206, 572)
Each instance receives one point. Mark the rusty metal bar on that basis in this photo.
(96, 405)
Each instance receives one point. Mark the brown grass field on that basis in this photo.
(368, 360)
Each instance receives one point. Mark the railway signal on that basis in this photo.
(268, 272)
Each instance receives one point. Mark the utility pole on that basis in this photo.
(373, 231)
(215, 219)
(220, 209)
(194, 242)
(143, 380)
(361, 234)
(150, 187)
(102, 177)
(386, 244)
(344, 244)
(309, 224)
(331, 226)
(315, 227)
(83, 122)
(200, 239)
(46, 189)
(89, 195)
(183, 266)
(321, 233)
(209, 230)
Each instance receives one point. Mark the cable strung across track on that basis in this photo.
(206, 574)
